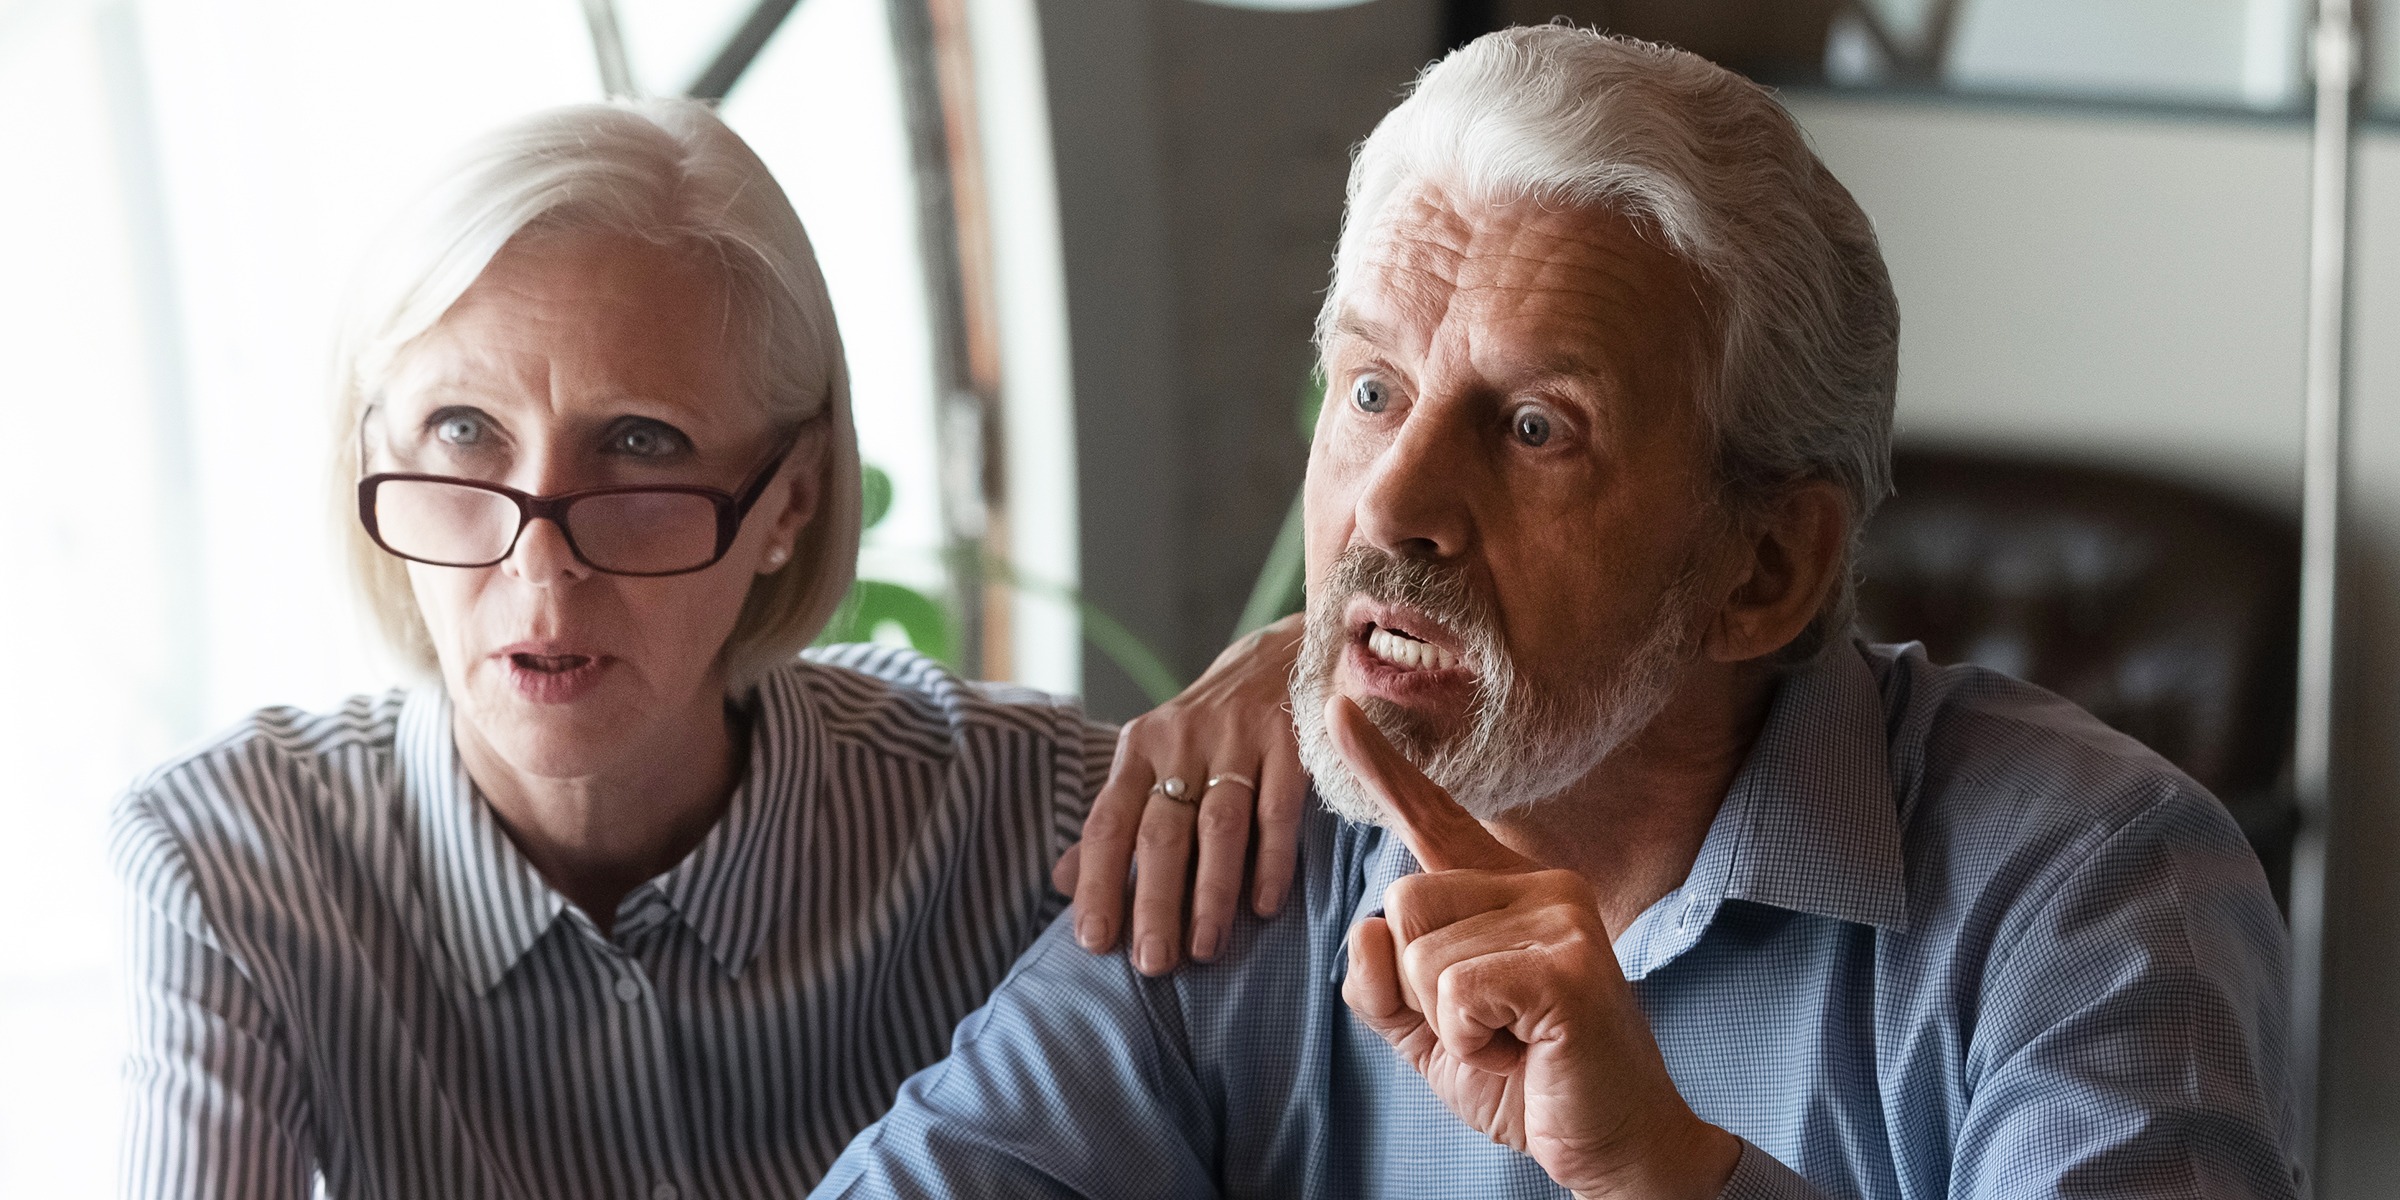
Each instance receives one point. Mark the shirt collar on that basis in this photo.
(490, 906)
(1809, 824)
(744, 875)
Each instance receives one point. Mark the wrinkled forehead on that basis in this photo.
(1571, 281)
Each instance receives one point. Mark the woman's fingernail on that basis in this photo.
(1205, 943)
(1153, 957)
(1092, 932)
(1270, 902)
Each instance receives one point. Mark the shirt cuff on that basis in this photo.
(1758, 1176)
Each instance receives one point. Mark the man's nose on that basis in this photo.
(1415, 502)
(542, 556)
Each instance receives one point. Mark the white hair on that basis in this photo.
(668, 172)
(1803, 385)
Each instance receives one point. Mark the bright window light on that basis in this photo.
(203, 180)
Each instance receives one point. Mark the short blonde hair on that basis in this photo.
(669, 172)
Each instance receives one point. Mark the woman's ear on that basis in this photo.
(801, 483)
(1790, 560)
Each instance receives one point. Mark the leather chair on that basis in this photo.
(2169, 612)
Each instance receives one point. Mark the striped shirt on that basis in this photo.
(343, 968)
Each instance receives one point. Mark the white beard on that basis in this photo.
(1521, 746)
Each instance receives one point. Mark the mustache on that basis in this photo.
(1443, 593)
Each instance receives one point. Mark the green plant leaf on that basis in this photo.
(1131, 654)
(1280, 588)
(876, 489)
(1312, 402)
(873, 603)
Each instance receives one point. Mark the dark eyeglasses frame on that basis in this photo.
(731, 508)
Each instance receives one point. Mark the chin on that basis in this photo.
(549, 737)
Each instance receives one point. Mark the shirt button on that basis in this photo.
(629, 991)
(664, 1191)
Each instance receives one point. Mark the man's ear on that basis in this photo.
(801, 481)
(1789, 558)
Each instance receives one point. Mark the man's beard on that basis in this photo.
(1523, 743)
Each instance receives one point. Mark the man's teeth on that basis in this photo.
(1409, 653)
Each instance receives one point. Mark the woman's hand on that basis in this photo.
(1234, 721)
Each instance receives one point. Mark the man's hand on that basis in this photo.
(1235, 719)
(1496, 980)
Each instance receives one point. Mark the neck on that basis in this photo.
(597, 837)
(1634, 825)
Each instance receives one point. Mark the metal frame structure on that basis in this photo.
(2337, 60)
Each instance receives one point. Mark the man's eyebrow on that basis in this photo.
(1347, 323)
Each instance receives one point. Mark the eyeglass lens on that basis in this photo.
(636, 533)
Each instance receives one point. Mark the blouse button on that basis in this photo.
(629, 991)
(664, 1191)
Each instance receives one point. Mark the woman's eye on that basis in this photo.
(646, 441)
(1531, 426)
(1370, 395)
(459, 429)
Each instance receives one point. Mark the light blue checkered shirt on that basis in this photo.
(1948, 936)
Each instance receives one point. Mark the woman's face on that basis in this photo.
(581, 361)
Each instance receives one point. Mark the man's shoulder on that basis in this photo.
(1963, 729)
(2006, 788)
(894, 701)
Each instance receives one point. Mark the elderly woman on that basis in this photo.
(634, 902)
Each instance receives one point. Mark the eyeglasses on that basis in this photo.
(445, 521)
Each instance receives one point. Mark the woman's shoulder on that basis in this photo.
(897, 699)
(265, 772)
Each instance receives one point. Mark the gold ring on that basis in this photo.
(1230, 777)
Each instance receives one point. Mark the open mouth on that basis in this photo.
(550, 664)
(1407, 651)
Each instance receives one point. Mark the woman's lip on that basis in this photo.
(544, 648)
(553, 679)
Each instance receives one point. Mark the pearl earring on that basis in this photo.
(776, 555)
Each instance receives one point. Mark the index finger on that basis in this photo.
(1107, 850)
(1443, 836)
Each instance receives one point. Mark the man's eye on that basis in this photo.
(1370, 395)
(646, 441)
(1531, 426)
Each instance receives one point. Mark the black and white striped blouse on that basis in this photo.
(342, 967)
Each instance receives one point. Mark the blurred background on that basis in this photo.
(1076, 247)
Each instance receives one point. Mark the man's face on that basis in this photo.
(1507, 516)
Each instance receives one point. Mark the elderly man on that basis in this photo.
(1647, 878)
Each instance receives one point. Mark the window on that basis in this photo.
(196, 183)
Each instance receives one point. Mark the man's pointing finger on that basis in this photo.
(1443, 836)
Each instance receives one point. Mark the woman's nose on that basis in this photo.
(542, 556)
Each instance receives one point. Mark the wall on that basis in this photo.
(1201, 153)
